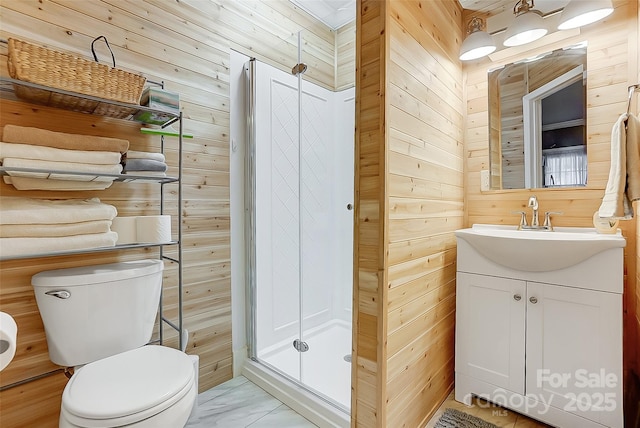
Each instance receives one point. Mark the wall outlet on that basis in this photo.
(485, 180)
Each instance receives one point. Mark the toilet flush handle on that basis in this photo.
(60, 294)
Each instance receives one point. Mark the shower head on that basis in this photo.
(299, 69)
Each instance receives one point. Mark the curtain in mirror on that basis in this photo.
(565, 167)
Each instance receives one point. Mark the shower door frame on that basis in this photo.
(250, 240)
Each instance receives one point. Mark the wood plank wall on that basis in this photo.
(511, 87)
(425, 205)
(345, 56)
(187, 45)
(409, 193)
(367, 378)
(612, 65)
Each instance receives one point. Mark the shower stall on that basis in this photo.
(299, 196)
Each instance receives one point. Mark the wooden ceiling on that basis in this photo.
(487, 6)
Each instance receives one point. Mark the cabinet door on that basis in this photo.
(490, 330)
(574, 350)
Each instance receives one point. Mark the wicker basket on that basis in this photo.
(36, 64)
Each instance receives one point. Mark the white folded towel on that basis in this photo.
(12, 247)
(19, 210)
(623, 185)
(50, 230)
(61, 166)
(27, 183)
(28, 151)
(132, 154)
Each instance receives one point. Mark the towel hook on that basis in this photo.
(632, 89)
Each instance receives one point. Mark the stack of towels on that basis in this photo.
(34, 226)
(145, 163)
(27, 147)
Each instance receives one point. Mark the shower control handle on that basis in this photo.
(349, 207)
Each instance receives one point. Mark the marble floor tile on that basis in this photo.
(238, 407)
(282, 416)
(238, 403)
(221, 389)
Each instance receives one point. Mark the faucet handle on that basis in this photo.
(523, 218)
(547, 218)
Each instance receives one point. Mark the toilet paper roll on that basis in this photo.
(8, 333)
(126, 229)
(153, 229)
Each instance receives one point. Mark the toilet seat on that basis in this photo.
(128, 387)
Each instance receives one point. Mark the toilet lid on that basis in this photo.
(128, 383)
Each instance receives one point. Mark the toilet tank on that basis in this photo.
(93, 312)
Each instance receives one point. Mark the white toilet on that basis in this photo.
(100, 317)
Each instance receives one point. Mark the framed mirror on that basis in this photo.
(537, 121)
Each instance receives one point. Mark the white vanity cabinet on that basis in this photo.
(490, 330)
(544, 343)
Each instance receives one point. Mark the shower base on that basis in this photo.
(325, 371)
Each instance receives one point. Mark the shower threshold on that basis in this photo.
(311, 406)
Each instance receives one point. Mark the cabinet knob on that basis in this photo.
(533, 300)
(349, 207)
(517, 297)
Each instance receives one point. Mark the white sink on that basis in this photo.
(538, 250)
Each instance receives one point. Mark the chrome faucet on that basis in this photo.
(533, 204)
(535, 223)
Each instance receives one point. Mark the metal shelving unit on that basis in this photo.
(59, 98)
(123, 178)
(12, 89)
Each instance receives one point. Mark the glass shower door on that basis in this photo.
(276, 265)
(326, 216)
(302, 230)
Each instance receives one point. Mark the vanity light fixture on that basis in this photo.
(582, 12)
(528, 25)
(478, 42)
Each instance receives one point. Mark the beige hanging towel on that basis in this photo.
(623, 186)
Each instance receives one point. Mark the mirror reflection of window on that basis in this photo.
(564, 153)
(537, 121)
